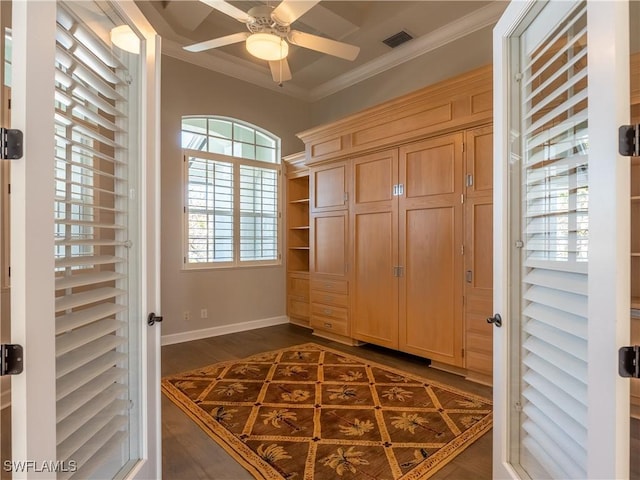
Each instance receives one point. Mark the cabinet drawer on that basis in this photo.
(297, 308)
(326, 298)
(329, 311)
(328, 325)
(336, 286)
(299, 287)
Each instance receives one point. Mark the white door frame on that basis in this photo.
(609, 248)
(32, 240)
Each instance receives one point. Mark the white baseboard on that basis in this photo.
(222, 330)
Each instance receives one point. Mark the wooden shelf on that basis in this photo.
(300, 200)
(298, 248)
(302, 227)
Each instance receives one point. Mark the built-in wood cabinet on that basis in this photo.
(390, 224)
(297, 239)
(478, 254)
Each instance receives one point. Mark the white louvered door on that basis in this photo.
(561, 240)
(86, 256)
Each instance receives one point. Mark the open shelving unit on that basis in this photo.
(297, 179)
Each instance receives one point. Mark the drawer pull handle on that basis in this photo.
(328, 325)
(327, 311)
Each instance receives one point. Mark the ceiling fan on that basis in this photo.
(270, 30)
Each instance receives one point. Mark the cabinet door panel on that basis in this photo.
(480, 160)
(430, 249)
(374, 223)
(432, 297)
(329, 187)
(329, 245)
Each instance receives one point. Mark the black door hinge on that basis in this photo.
(629, 361)
(629, 140)
(11, 359)
(10, 144)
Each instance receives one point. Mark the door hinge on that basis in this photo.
(346, 197)
(629, 361)
(629, 140)
(398, 189)
(11, 359)
(398, 271)
(10, 144)
(462, 198)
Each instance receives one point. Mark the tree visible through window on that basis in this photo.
(231, 173)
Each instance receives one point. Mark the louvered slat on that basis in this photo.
(75, 400)
(85, 279)
(555, 234)
(88, 260)
(103, 348)
(92, 370)
(81, 336)
(98, 453)
(69, 321)
(107, 418)
(86, 298)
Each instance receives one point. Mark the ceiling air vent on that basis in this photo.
(397, 39)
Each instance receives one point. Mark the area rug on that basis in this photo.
(309, 412)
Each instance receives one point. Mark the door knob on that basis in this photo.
(153, 318)
(496, 320)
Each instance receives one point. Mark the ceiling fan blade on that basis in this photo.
(290, 10)
(217, 42)
(280, 70)
(324, 45)
(228, 9)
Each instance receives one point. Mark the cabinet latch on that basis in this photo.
(11, 359)
(629, 361)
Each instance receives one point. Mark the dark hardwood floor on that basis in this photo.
(188, 453)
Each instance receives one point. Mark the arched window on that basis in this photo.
(232, 202)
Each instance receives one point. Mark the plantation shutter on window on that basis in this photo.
(91, 250)
(555, 223)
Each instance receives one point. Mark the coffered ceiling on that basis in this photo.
(365, 24)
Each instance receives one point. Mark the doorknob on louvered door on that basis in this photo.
(496, 320)
(153, 318)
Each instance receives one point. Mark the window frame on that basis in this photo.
(236, 164)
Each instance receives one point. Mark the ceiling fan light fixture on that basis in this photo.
(267, 46)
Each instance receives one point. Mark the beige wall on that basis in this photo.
(241, 295)
(467, 53)
(230, 296)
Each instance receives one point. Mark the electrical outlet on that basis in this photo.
(186, 315)
(204, 313)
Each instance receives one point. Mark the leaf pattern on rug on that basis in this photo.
(272, 453)
(396, 378)
(419, 456)
(294, 370)
(397, 393)
(247, 370)
(343, 393)
(223, 416)
(282, 415)
(351, 376)
(345, 459)
(470, 403)
(409, 422)
(357, 428)
(231, 389)
(186, 385)
(300, 356)
(295, 396)
(469, 420)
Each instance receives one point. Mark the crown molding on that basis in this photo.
(250, 72)
(481, 18)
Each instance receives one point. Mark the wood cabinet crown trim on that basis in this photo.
(461, 101)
